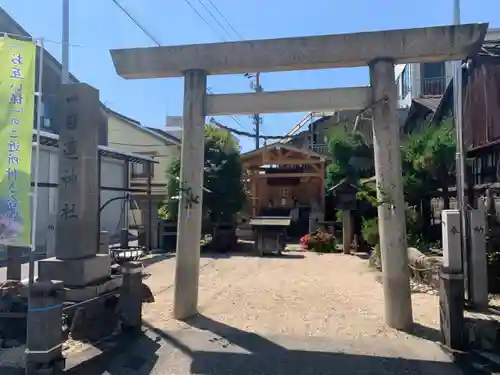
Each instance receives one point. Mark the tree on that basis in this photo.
(345, 149)
(429, 161)
(428, 165)
(224, 194)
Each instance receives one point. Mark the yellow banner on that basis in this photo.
(17, 109)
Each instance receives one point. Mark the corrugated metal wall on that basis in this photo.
(482, 106)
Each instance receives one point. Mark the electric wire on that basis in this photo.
(225, 20)
(129, 15)
(280, 137)
(214, 18)
(204, 20)
(150, 36)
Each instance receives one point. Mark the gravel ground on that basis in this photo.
(301, 313)
(300, 293)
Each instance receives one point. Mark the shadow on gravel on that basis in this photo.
(121, 350)
(249, 254)
(262, 356)
(426, 333)
(151, 259)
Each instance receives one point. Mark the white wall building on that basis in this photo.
(174, 126)
(113, 175)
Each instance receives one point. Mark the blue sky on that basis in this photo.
(98, 25)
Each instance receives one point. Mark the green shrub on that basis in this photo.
(375, 261)
(370, 232)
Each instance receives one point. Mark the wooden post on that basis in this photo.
(347, 231)
(14, 262)
(255, 199)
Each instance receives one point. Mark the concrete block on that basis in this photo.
(44, 339)
(104, 242)
(131, 296)
(77, 272)
(14, 262)
(452, 242)
(451, 309)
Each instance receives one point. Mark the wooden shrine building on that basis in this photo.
(278, 174)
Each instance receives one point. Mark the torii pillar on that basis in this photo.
(187, 266)
(380, 50)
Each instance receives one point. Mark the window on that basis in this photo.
(405, 81)
(433, 78)
(433, 70)
(142, 169)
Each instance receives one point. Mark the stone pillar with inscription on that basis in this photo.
(451, 283)
(478, 264)
(77, 262)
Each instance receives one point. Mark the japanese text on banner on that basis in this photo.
(17, 108)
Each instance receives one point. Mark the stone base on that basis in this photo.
(77, 272)
(92, 291)
(451, 309)
(83, 293)
(53, 355)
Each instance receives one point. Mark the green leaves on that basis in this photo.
(428, 159)
(346, 149)
(222, 177)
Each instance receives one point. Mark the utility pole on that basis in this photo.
(257, 120)
(460, 148)
(65, 42)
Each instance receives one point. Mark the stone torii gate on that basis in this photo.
(379, 50)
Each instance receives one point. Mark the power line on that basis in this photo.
(280, 137)
(150, 36)
(124, 10)
(225, 19)
(231, 116)
(221, 36)
(215, 18)
(204, 20)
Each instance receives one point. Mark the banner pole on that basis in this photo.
(39, 103)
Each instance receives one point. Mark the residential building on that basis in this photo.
(426, 80)
(113, 179)
(173, 126)
(317, 128)
(481, 118)
(129, 135)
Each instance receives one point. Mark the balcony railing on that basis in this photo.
(319, 148)
(433, 86)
